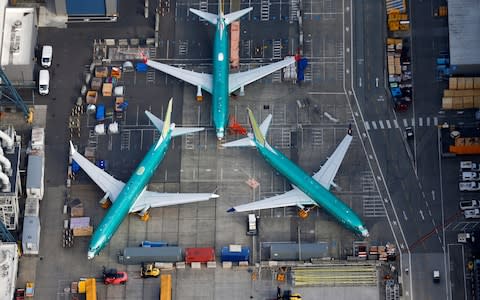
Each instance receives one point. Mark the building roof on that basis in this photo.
(464, 28)
(35, 172)
(9, 266)
(18, 29)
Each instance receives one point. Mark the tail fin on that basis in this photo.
(257, 133)
(248, 141)
(168, 116)
(231, 17)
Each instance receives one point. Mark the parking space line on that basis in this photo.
(420, 122)
(435, 121)
(428, 121)
(395, 124)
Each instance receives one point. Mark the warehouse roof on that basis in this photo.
(464, 28)
(18, 29)
(9, 266)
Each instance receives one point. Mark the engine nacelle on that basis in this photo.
(199, 94)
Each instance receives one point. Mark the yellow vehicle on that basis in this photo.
(149, 271)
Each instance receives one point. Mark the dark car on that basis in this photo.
(409, 132)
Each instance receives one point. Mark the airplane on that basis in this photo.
(307, 191)
(221, 84)
(133, 197)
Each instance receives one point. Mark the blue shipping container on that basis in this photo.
(243, 255)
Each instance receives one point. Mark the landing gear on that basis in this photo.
(145, 217)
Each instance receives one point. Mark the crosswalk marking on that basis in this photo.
(387, 124)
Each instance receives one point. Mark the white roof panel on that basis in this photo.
(464, 28)
(17, 42)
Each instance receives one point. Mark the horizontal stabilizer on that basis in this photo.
(212, 18)
(231, 17)
(245, 142)
(176, 131)
(185, 130)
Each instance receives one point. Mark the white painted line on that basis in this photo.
(405, 123)
(388, 124)
(381, 124)
(367, 126)
(421, 215)
(435, 121)
(374, 125)
(413, 121)
(428, 121)
(395, 123)
(405, 215)
(420, 122)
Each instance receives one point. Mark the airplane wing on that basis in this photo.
(293, 197)
(197, 79)
(328, 171)
(153, 199)
(237, 80)
(105, 181)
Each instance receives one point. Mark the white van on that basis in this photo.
(47, 52)
(44, 82)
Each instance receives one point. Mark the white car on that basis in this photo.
(472, 213)
(469, 176)
(469, 204)
(469, 186)
(469, 165)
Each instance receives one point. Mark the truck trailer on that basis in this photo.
(137, 255)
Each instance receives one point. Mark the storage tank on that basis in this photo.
(293, 251)
(137, 255)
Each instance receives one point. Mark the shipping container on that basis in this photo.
(31, 235)
(234, 44)
(201, 255)
(235, 254)
(35, 176)
(137, 255)
(293, 251)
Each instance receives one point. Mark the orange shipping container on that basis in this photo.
(476, 82)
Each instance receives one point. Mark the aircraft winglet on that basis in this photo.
(72, 148)
(257, 133)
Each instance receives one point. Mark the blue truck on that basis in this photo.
(153, 244)
(100, 114)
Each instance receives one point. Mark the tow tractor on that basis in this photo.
(287, 295)
(149, 271)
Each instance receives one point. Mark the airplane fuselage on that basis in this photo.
(127, 197)
(221, 64)
(321, 196)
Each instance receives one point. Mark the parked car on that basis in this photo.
(470, 176)
(472, 213)
(409, 132)
(469, 204)
(469, 186)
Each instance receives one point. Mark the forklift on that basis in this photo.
(149, 271)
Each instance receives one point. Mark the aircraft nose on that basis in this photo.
(90, 255)
(220, 134)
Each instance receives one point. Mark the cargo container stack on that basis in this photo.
(462, 93)
(35, 191)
